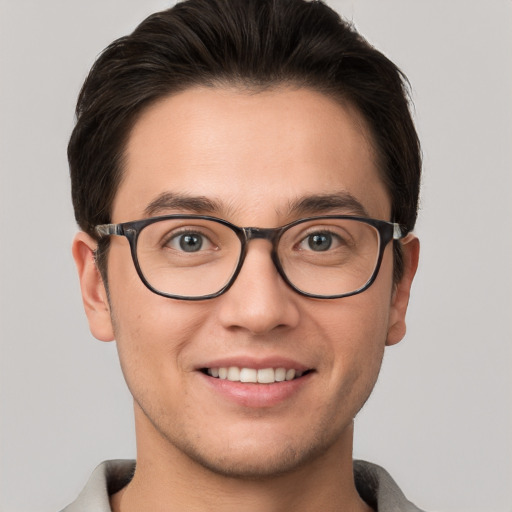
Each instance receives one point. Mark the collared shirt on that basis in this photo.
(373, 483)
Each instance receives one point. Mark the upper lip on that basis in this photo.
(256, 363)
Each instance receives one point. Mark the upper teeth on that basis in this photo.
(262, 376)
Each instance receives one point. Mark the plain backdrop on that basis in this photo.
(440, 419)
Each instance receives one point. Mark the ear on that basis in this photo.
(400, 298)
(94, 294)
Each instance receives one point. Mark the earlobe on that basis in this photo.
(94, 295)
(400, 299)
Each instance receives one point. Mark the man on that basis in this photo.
(245, 174)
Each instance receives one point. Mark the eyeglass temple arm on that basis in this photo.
(397, 231)
(400, 234)
(108, 229)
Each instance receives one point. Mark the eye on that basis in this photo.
(320, 241)
(189, 242)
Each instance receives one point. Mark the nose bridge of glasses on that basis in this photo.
(270, 234)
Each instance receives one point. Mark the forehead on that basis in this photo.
(252, 154)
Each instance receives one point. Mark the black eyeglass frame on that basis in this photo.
(387, 231)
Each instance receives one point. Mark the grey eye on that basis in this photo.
(320, 241)
(190, 242)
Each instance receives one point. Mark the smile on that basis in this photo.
(252, 375)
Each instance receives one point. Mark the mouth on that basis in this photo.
(255, 376)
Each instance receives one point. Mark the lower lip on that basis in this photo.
(256, 395)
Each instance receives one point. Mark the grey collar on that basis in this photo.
(373, 483)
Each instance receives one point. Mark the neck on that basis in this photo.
(166, 479)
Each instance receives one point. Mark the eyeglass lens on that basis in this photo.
(193, 257)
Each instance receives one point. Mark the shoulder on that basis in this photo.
(376, 486)
(109, 477)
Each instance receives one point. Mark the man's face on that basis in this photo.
(253, 156)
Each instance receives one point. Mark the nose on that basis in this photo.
(259, 301)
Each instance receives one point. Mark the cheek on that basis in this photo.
(152, 332)
(354, 332)
(356, 337)
(152, 347)
(143, 320)
(156, 326)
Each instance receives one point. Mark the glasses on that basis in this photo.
(197, 257)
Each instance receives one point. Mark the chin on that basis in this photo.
(260, 459)
(250, 466)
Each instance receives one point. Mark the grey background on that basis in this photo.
(440, 418)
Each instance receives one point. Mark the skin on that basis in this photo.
(254, 154)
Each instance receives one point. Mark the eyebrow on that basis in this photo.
(172, 201)
(340, 202)
(317, 204)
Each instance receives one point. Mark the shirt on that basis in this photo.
(373, 483)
